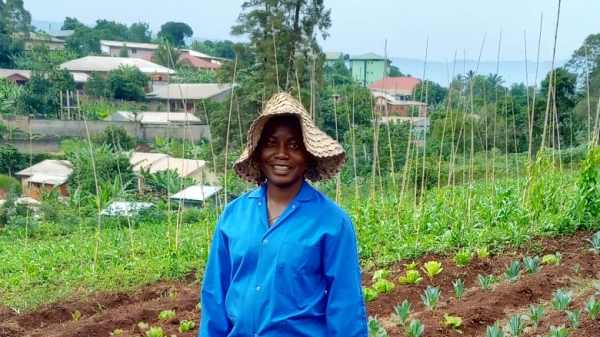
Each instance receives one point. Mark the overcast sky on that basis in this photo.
(361, 26)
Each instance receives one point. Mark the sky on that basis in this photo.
(438, 29)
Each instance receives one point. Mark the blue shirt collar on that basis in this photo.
(306, 193)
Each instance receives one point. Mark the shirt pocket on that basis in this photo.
(299, 271)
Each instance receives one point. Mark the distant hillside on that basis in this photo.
(511, 71)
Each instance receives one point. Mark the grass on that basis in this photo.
(47, 262)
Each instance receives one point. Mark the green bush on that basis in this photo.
(9, 184)
(116, 136)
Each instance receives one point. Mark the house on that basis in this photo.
(185, 97)
(401, 87)
(196, 195)
(198, 60)
(134, 49)
(21, 76)
(205, 57)
(157, 162)
(45, 175)
(157, 74)
(18, 76)
(332, 58)
(369, 68)
(51, 42)
(389, 105)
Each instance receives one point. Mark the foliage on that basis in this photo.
(414, 329)
(513, 273)
(453, 322)
(431, 297)
(486, 281)
(432, 268)
(15, 23)
(219, 48)
(175, 33)
(411, 277)
(515, 326)
(166, 54)
(127, 83)
(96, 167)
(595, 242)
(9, 184)
(402, 312)
(459, 288)
(9, 93)
(592, 307)
(165, 183)
(11, 160)
(532, 265)
(116, 137)
(96, 86)
(562, 299)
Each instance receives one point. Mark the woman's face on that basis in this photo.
(282, 155)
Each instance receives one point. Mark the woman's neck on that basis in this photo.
(283, 195)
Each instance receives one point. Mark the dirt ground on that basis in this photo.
(104, 313)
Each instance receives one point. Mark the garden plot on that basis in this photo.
(558, 292)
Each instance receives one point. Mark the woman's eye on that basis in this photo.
(294, 145)
(270, 143)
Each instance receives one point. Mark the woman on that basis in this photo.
(283, 260)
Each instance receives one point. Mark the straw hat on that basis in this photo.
(329, 155)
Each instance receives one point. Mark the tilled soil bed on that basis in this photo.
(103, 313)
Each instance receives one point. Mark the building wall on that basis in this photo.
(34, 190)
(368, 71)
(34, 145)
(78, 129)
(132, 52)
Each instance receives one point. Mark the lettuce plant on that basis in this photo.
(380, 274)
(595, 242)
(186, 325)
(515, 326)
(415, 329)
(532, 265)
(486, 282)
(562, 299)
(452, 322)
(592, 307)
(370, 294)
(535, 314)
(384, 286)
(402, 312)
(513, 273)
(560, 331)
(459, 288)
(495, 331)
(574, 317)
(463, 258)
(432, 268)
(412, 277)
(431, 297)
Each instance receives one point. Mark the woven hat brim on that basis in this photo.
(329, 155)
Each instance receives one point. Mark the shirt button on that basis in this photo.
(293, 206)
(255, 335)
(258, 288)
(259, 203)
(265, 241)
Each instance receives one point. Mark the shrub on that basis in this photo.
(8, 185)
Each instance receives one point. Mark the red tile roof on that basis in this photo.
(196, 62)
(395, 84)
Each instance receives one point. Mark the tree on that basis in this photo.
(96, 86)
(127, 83)
(116, 137)
(338, 74)
(434, 92)
(395, 72)
(36, 98)
(140, 32)
(219, 48)
(175, 33)
(11, 160)
(585, 59)
(124, 52)
(166, 54)
(14, 20)
(102, 162)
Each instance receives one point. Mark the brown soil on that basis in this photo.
(104, 313)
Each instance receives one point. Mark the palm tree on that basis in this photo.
(495, 79)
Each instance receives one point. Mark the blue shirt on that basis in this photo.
(299, 277)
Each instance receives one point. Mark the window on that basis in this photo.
(133, 50)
